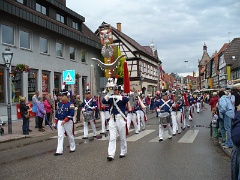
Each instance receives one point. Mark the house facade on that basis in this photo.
(49, 38)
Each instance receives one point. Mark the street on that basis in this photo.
(189, 155)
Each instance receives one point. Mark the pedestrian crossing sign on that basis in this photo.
(69, 76)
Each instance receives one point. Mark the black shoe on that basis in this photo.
(85, 138)
(71, 151)
(26, 133)
(30, 130)
(36, 126)
(160, 140)
(57, 154)
(121, 156)
(94, 136)
(174, 134)
(109, 158)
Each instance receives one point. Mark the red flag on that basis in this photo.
(126, 80)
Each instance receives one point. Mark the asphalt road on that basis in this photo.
(32, 158)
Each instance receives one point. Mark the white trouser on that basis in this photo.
(132, 117)
(176, 121)
(120, 126)
(104, 117)
(186, 117)
(75, 114)
(140, 119)
(68, 126)
(199, 106)
(85, 128)
(161, 130)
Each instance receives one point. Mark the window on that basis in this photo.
(20, 1)
(60, 18)
(72, 53)
(7, 34)
(43, 45)
(83, 56)
(24, 39)
(75, 25)
(16, 87)
(40, 8)
(32, 84)
(59, 49)
(45, 83)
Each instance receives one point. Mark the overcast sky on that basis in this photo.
(178, 28)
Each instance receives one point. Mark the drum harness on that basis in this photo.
(87, 104)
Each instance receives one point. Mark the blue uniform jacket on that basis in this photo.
(89, 104)
(167, 107)
(121, 104)
(64, 110)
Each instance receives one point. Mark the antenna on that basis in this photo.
(228, 36)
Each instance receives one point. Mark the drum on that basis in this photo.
(186, 108)
(164, 118)
(88, 115)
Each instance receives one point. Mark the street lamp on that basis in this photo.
(7, 57)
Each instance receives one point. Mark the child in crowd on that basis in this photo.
(214, 123)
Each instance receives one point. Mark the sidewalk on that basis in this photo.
(17, 129)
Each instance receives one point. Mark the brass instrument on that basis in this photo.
(141, 103)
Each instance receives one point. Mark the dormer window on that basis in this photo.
(42, 9)
(75, 25)
(60, 18)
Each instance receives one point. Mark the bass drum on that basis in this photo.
(88, 115)
(164, 118)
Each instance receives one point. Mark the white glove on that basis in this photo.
(83, 109)
(107, 97)
(158, 110)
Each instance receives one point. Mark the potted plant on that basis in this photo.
(22, 68)
(77, 76)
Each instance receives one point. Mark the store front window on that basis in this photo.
(45, 83)
(16, 87)
(57, 77)
(2, 85)
(32, 84)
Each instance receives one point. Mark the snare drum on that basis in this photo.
(88, 115)
(164, 118)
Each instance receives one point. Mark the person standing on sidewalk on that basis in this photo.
(34, 108)
(235, 155)
(64, 121)
(48, 109)
(25, 116)
(40, 113)
(78, 104)
(226, 112)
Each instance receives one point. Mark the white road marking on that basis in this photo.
(165, 136)
(189, 136)
(136, 137)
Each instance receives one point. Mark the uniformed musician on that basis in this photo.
(88, 107)
(164, 105)
(132, 115)
(199, 100)
(176, 114)
(104, 113)
(64, 121)
(139, 108)
(117, 122)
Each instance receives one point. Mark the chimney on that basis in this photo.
(119, 27)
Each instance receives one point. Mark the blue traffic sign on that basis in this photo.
(69, 76)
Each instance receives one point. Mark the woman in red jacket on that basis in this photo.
(214, 100)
